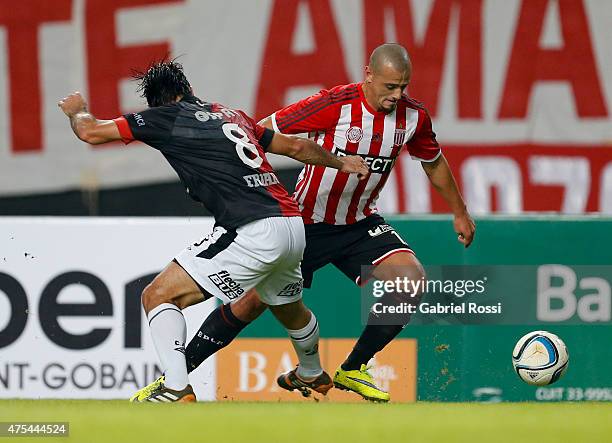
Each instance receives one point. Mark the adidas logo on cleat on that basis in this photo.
(165, 397)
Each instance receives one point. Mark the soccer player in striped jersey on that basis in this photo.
(376, 120)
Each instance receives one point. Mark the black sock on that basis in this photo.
(379, 332)
(373, 339)
(216, 332)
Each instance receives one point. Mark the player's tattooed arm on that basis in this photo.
(442, 179)
(307, 151)
(84, 125)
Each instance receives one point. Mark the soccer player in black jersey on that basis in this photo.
(258, 240)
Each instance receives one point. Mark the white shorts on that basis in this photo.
(264, 254)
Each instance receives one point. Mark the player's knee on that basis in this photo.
(250, 306)
(293, 315)
(419, 281)
(420, 274)
(154, 295)
(416, 273)
(414, 280)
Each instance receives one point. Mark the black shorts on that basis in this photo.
(349, 247)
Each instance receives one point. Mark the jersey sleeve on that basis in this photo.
(152, 126)
(262, 134)
(423, 145)
(315, 113)
(266, 137)
(124, 130)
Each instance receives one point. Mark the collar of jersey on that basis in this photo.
(191, 99)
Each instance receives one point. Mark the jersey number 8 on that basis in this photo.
(246, 150)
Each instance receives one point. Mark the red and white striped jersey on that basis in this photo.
(344, 123)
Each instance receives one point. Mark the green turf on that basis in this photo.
(119, 421)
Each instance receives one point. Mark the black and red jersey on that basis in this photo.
(219, 156)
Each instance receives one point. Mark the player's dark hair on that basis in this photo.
(162, 83)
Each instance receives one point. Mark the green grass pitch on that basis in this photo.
(119, 421)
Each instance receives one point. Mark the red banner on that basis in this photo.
(512, 179)
(519, 90)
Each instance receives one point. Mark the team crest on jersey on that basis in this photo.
(400, 137)
(354, 134)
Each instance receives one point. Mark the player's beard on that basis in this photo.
(390, 109)
(388, 106)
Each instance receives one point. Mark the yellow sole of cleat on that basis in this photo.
(365, 397)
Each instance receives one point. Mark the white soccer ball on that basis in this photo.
(540, 358)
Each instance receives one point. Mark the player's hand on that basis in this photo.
(465, 228)
(73, 104)
(354, 164)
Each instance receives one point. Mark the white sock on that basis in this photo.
(306, 344)
(169, 332)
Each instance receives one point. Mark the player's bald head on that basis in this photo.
(387, 76)
(391, 55)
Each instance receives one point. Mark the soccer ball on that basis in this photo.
(540, 358)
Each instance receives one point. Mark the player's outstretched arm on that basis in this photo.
(85, 126)
(442, 179)
(307, 151)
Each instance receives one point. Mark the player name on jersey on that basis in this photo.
(265, 179)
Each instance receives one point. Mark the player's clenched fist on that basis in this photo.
(465, 228)
(354, 164)
(73, 104)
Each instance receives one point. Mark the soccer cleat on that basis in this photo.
(291, 381)
(156, 392)
(361, 382)
(147, 390)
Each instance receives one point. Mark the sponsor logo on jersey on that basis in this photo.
(380, 229)
(379, 165)
(226, 284)
(292, 289)
(354, 134)
(258, 180)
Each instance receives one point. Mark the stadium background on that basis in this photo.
(519, 92)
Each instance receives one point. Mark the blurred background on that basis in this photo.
(520, 94)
